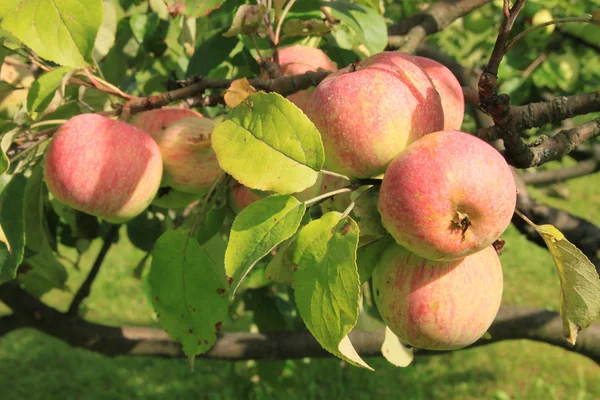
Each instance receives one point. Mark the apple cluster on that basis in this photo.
(445, 197)
(115, 170)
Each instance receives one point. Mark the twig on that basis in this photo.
(543, 25)
(284, 13)
(84, 289)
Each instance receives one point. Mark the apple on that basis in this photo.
(298, 59)
(155, 121)
(168, 197)
(369, 112)
(19, 75)
(448, 195)
(449, 89)
(437, 305)
(103, 167)
(190, 163)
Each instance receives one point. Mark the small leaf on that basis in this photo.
(35, 229)
(188, 291)
(194, 8)
(248, 19)
(367, 216)
(238, 91)
(257, 230)
(63, 32)
(299, 27)
(327, 287)
(212, 224)
(42, 91)
(393, 350)
(267, 143)
(12, 227)
(144, 230)
(4, 162)
(579, 281)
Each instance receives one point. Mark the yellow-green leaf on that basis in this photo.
(267, 143)
(61, 31)
(579, 281)
(393, 350)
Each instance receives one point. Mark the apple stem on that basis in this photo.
(325, 172)
(327, 195)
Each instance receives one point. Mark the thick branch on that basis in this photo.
(406, 35)
(84, 289)
(511, 323)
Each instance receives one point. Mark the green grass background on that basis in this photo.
(34, 366)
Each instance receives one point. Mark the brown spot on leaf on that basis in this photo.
(157, 298)
(190, 331)
(220, 291)
(218, 326)
(346, 228)
(229, 280)
(206, 342)
(294, 267)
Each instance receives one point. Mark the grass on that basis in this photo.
(34, 366)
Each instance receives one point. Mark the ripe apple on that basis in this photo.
(299, 59)
(168, 197)
(437, 305)
(449, 89)
(448, 195)
(103, 167)
(155, 121)
(369, 112)
(190, 163)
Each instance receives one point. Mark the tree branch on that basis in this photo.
(582, 168)
(510, 323)
(84, 289)
(407, 34)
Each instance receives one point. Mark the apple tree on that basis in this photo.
(340, 171)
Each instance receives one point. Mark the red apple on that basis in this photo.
(103, 167)
(437, 305)
(155, 121)
(368, 113)
(449, 89)
(299, 59)
(448, 195)
(190, 163)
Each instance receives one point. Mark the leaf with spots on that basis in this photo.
(579, 282)
(257, 230)
(61, 31)
(194, 8)
(327, 287)
(189, 291)
(267, 143)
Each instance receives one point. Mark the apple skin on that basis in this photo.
(298, 59)
(437, 305)
(155, 121)
(190, 163)
(449, 89)
(170, 198)
(103, 167)
(368, 114)
(436, 183)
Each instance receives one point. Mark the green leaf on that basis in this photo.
(299, 27)
(63, 32)
(267, 143)
(212, 224)
(327, 287)
(188, 291)
(12, 227)
(144, 230)
(368, 256)
(579, 282)
(195, 8)
(42, 91)
(257, 230)
(4, 162)
(367, 216)
(210, 53)
(281, 268)
(41, 273)
(35, 231)
(367, 26)
(108, 30)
